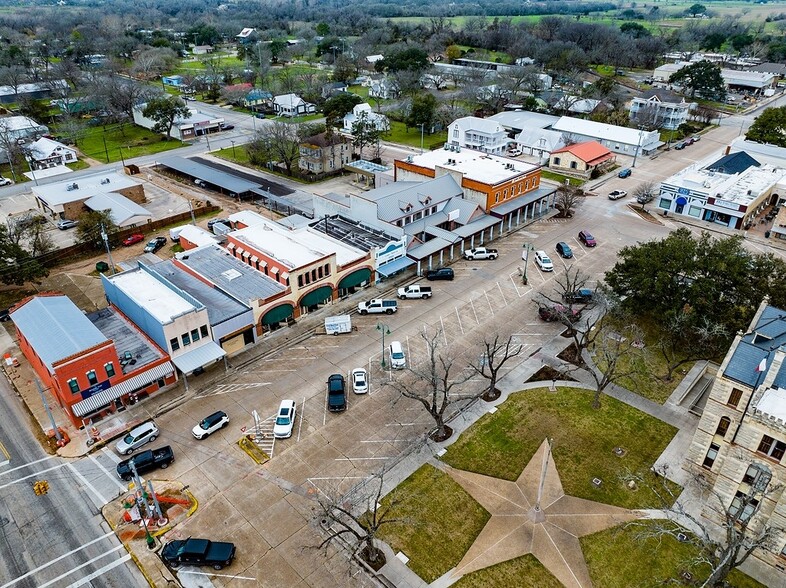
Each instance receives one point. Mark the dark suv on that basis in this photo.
(443, 273)
(155, 244)
(587, 238)
(337, 395)
(564, 250)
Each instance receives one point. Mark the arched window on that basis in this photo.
(723, 426)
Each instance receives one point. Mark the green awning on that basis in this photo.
(278, 314)
(317, 296)
(355, 278)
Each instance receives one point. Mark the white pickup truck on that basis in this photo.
(414, 291)
(378, 306)
(481, 253)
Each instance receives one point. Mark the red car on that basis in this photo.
(132, 239)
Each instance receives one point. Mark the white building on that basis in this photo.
(383, 89)
(480, 134)
(661, 108)
(617, 139)
(45, 153)
(733, 78)
(292, 105)
(379, 121)
(196, 124)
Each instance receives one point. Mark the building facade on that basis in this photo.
(660, 108)
(582, 159)
(480, 134)
(323, 154)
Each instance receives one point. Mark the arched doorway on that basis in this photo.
(311, 301)
(276, 317)
(350, 282)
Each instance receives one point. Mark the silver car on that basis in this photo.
(136, 437)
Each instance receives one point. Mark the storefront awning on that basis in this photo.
(395, 266)
(104, 397)
(317, 296)
(199, 357)
(355, 278)
(278, 314)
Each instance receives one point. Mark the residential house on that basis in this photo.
(291, 105)
(756, 82)
(247, 36)
(372, 59)
(34, 91)
(576, 104)
(379, 121)
(176, 81)
(740, 442)
(21, 129)
(480, 134)
(258, 99)
(622, 140)
(196, 124)
(660, 108)
(332, 88)
(582, 159)
(177, 322)
(731, 191)
(45, 153)
(384, 89)
(93, 364)
(324, 154)
(201, 49)
(539, 143)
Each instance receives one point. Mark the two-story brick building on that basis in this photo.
(324, 154)
(93, 364)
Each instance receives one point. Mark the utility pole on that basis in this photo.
(106, 151)
(108, 252)
(191, 209)
(49, 413)
(142, 504)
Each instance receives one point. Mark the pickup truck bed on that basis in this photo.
(146, 461)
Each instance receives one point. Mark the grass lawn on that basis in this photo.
(620, 558)
(523, 572)
(501, 444)
(104, 144)
(361, 91)
(400, 134)
(559, 178)
(439, 522)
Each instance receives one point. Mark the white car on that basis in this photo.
(359, 381)
(543, 261)
(617, 194)
(210, 424)
(285, 421)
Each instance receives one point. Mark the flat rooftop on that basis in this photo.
(353, 233)
(161, 302)
(773, 403)
(87, 186)
(742, 188)
(126, 338)
(474, 165)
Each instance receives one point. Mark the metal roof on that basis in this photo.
(199, 357)
(230, 274)
(429, 248)
(366, 166)
(221, 306)
(733, 163)
(86, 186)
(55, 328)
(226, 181)
(121, 209)
(394, 203)
(351, 232)
(522, 201)
(761, 342)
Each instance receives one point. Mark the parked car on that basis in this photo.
(133, 239)
(443, 273)
(198, 552)
(481, 253)
(397, 358)
(514, 152)
(66, 224)
(564, 250)
(210, 424)
(145, 433)
(226, 127)
(359, 381)
(679, 146)
(414, 291)
(617, 194)
(155, 244)
(558, 312)
(696, 138)
(337, 395)
(583, 295)
(285, 421)
(146, 461)
(378, 306)
(543, 261)
(625, 173)
(260, 115)
(587, 238)
(5, 181)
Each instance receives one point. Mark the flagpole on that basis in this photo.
(760, 369)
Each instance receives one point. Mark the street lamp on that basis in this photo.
(233, 148)
(638, 146)
(527, 249)
(421, 136)
(383, 328)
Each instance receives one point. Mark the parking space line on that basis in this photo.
(302, 410)
(459, 321)
(473, 311)
(111, 455)
(195, 573)
(488, 300)
(364, 458)
(501, 293)
(109, 475)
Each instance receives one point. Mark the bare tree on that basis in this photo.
(357, 520)
(616, 354)
(496, 355)
(567, 199)
(645, 192)
(683, 343)
(275, 141)
(728, 534)
(434, 384)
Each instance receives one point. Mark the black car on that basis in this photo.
(583, 295)
(564, 250)
(155, 244)
(226, 127)
(198, 552)
(145, 462)
(443, 273)
(337, 395)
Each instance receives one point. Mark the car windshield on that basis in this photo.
(205, 424)
(128, 439)
(398, 355)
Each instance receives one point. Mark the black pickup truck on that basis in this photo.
(198, 552)
(146, 461)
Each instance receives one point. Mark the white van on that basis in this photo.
(397, 358)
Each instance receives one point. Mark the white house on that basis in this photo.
(661, 108)
(384, 89)
(45, 153)
(372, 59)
(481, 134)
(292, 105)
(196, 124)
(380, 121)
(539, 143)
(618, 139)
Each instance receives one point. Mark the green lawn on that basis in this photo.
(559, 178)
(400, 134)
(501, 444)
(361, 91)
(622, 558)
(523, 572)
(104, 144)
(439, 521)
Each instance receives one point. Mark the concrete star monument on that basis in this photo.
(534, 515)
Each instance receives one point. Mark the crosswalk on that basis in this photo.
(96, 476)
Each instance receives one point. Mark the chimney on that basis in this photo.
(728, 148)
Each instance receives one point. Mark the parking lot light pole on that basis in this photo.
(527, 248)
(383, 328)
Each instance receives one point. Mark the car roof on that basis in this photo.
(286, 404)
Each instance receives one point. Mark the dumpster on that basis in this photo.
(102, 267)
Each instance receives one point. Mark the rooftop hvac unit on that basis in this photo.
(105, 181)
(74, 186)
(409, 159)
(458, 149)
(447, 147)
